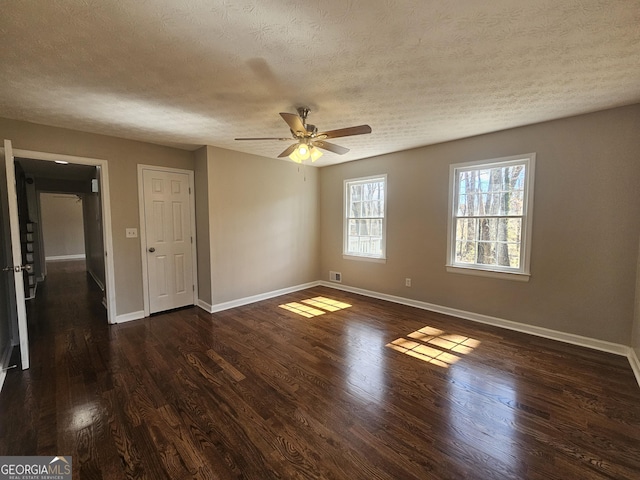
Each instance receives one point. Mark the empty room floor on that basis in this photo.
(317, 384)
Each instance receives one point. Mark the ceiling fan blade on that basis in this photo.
(294, 122)
(289, 150)
(267, 138)
(332, 147)
(346, 132)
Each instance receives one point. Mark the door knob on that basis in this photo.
(152, 249)
(18, 268)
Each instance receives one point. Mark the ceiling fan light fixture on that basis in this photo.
(294, 156)
(315, 154)
(301, 153)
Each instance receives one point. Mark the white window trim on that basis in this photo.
(524, 272)
(345, 221)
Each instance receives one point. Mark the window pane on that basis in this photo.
(515, 203)
(376, 227)
(498, 253)
(470, 204)
(355, 210)
(488, 241)
(495, 204)
(514, 255)
(365, 244)
(377, 209)
(353, 227)
(365, 227)
(514, 229)
(495, 191)
(465, 252)
(466, 229)
(462, 205)
(486, 253)
(356, 193)
(373, 190)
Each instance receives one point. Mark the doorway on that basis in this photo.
(89, 177)
(59, 205)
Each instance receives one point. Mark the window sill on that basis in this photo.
(518, 277)
(364, 259)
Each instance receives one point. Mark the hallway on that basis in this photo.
(68, 300)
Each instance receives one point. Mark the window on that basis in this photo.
(490, 212)
(365, 223)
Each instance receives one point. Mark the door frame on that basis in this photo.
(107, 237)
(143, 230)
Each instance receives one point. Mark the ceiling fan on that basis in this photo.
(309, 140)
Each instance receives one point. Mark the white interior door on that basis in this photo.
(16, 269)
(169, 242)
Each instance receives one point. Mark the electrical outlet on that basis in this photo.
(132, 233)
(407, 282)
(335, 277)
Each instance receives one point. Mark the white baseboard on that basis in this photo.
(218, 307)
(204, 305)
(62, 258)
(5, 356)
(571, 338)
(96, 279)
(635, 363)
(129, 317)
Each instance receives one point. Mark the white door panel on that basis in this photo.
(168, 239)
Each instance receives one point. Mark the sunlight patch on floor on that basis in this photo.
(313, 307)
(434, 346)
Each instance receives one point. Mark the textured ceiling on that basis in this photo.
(194, 72)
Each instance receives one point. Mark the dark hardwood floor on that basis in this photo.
(373, 390)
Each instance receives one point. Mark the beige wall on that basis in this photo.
(586, 225)
(123, 156)
(264, 224)
(62, 224)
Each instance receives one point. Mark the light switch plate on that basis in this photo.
(132, 233)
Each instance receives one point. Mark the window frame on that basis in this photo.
(524, 271)
(382, 258)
